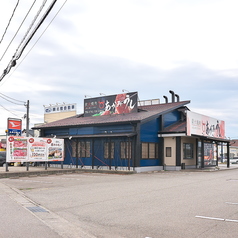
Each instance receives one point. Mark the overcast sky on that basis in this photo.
(150, 46)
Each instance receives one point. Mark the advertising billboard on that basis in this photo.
(14, 126)
(113, 104)
(30, 149)
(202, 125)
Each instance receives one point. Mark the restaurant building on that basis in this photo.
(121, 133)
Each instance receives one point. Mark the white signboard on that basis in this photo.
(30, 149)
(198, 124)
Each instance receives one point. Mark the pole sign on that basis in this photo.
(14, 126)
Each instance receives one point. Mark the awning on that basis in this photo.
(212, 138)
(97, 135)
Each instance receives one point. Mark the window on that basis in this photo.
(188, 151)
(68, 107)
(149, 150)
(109, 148)
(73, 148)
(126, 150)
(168, 151)
(83, 149)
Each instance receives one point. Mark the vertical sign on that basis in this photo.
(14, 126)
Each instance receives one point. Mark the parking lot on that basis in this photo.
(160, 204)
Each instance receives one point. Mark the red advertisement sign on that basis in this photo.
(14, 126)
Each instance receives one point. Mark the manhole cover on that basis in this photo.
(36, 209)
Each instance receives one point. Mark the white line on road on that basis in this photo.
(217, 218)
(211, 218)
(232, 203)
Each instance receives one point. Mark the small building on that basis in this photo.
(119, 132)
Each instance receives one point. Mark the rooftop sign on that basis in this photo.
(113, 104)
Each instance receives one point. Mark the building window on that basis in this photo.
(74, 148)
(168, 151)
(83, 149)
(149, 150)
(68, 107)
(187, 151)
(109, 149)
(126, 150)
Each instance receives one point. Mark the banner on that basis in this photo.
(30, 149)
(113, 104)
(202, 125)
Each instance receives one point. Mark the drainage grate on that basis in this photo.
(36, 209)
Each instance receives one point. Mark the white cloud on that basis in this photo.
(149, 46)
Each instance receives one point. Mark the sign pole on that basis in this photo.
(7, 170)
(27, 128)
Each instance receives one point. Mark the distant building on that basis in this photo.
(59, 111)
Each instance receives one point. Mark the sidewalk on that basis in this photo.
(21, 171)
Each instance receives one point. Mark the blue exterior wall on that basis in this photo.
(171, 118)
(149, 133)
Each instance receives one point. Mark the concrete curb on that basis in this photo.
(47, 172)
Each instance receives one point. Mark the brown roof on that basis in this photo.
(234, 143)
(144, 113)
(177, 127)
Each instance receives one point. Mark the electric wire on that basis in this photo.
(11, 98)
(16, 57)
(36, 40)
(31, 25)
(9, 21)
(11, 101)
(17, 30)
(8, 110)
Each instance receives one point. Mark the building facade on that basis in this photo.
(119, 132)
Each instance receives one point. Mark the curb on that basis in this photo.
(60, 172)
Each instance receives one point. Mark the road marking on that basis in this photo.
(232, 203)
(211, 218)
(217, 218)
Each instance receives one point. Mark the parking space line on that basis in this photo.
(232, 203)
(216, 218)
(211, 218)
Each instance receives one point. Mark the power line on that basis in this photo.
(39, 37)
(31, 25)
(8, 110)
(9, 22)
(17, 30)
(16, 57)
(4, 97)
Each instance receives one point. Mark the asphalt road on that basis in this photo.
(162, 204)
